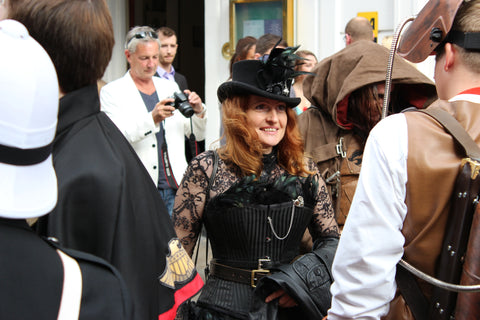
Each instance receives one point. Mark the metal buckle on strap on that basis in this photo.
(474, 166)
(254, 276)
(339, 148)
(336, 175)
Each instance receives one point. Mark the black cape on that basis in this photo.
(109, 206)
(31, 278)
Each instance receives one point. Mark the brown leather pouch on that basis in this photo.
(468, 303)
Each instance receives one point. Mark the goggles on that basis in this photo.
(142, 35)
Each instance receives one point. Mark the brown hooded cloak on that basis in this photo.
(329, 137)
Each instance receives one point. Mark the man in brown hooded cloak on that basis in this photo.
(347, 95)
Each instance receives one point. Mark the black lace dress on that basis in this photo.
(248, 219)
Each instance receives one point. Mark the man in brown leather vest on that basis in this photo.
(402, 200)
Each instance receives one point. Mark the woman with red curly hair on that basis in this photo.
(256, 196)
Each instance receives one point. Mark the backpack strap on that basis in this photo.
(411, 293)
(452, 126)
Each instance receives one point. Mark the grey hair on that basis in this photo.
(131, 42)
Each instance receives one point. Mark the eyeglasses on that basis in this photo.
(142, 35)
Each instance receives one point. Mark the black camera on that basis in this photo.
(181, 103)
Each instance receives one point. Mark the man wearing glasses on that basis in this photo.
(139, 104)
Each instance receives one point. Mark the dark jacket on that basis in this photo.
(181, 80)
(31, 279)
(107, 203)
(192, 147)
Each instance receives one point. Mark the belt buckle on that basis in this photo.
(260, 271)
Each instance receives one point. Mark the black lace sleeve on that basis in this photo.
(323, 222)
(190, 200)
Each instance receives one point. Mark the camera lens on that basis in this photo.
(181, 103)
(186, 109)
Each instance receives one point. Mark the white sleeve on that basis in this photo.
(132, 121)
(371, 243)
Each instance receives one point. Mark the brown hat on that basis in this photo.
(428, 30)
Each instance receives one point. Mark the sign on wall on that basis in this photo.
(372, 16)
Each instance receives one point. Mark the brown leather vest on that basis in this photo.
(433, 165)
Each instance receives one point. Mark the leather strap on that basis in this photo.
(167, 167)
(412, 294)
(245, 276)
(456, 130)
(192, 141)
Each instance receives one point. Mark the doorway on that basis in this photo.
(186, 17)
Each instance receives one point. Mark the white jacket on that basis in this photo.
(122, 102)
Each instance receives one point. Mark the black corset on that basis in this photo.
(240, 236)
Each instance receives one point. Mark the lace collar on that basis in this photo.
(270, 162)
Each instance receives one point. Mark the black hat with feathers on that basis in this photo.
(270, 79)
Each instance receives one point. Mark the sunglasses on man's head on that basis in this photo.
(143, 35)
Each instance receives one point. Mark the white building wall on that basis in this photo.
(318, 26)
(217, 24)
(118, 63)
(307, 35)
(332, 16)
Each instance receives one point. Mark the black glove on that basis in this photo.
(307, 280)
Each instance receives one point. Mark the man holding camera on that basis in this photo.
(144, 108)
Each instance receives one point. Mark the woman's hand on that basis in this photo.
(285, 300)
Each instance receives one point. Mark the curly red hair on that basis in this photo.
(244, 148)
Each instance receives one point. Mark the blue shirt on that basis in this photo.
(150, 102)
(166, 75)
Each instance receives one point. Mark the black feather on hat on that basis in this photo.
(270, 79)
